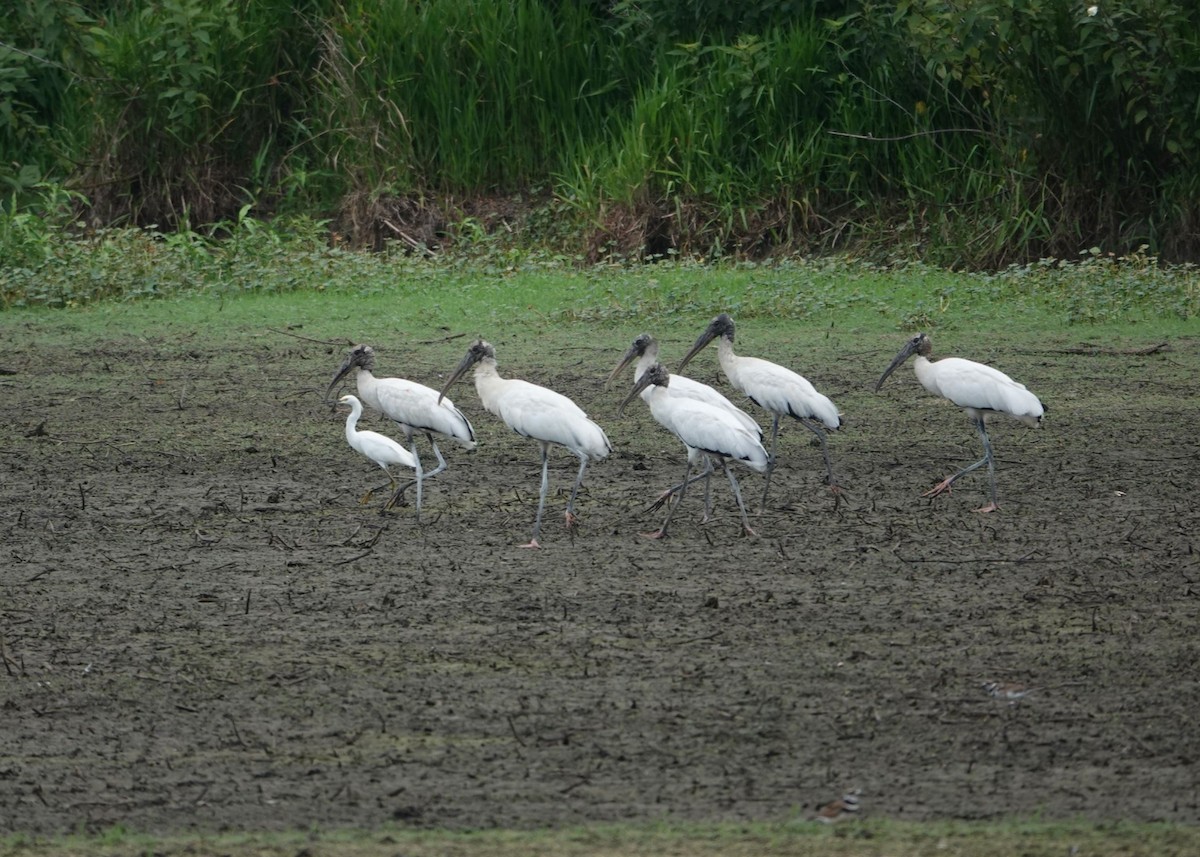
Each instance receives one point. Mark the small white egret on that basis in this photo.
(535, 412)
(703, 428)
(415, 407)
(775, 388)
(377, 447)
(979, 390)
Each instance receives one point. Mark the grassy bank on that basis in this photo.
(129, 271)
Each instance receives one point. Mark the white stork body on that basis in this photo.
(978, 389)
(377, 447)
(775, 388)
(414, 407)
(538, 413)
(683, 387)
(645, 349)
(981, 391)
(706, 430)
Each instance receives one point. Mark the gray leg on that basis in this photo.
(820, 432)
(945, 484)
(661, 532)
(537, 521)
(419, 481)
(441, 462)
(737, 495)
(583, 463)
(771, 464)
(674, 489)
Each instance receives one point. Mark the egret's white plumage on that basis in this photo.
(645, 350)
(377, 447)
(414, 407)
(979, 390)
(773, 387)
(538, 413)
(706, 430)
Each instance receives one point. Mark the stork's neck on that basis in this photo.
(644, 363)
(366, 382)
(488, 384)
(365, 379)
(725, 355)
(655, 396)
(923, 367)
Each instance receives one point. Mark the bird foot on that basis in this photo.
(533, 543)
(571, 519)
(943, 486)
(747, 531)
(657, 534)
(990, 507)
(663, 499)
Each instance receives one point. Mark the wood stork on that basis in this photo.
(709, 430)
(536, 412)
(645, 350)
(377, 447)
(775, 388)
(979, 390)
(415, 407)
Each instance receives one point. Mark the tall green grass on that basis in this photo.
(976, 133)
(448, 95)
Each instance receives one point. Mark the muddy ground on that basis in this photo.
(204, 629)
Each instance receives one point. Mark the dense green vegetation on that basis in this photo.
(963, 133)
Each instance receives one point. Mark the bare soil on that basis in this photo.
(204, 629)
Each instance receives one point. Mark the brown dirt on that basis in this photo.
(203, 629)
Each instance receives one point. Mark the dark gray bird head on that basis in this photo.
(919, 344)
(643, 345)
(721, 326)
(478, 352)
(656, 375)
(360, 357)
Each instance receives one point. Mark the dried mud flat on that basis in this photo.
(204, 629)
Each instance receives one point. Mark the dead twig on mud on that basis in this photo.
(1100, 351)
(346, 342)
(581, 781)
(449, 337)
(356, 557)
(1021, 559)
(513, 728)
(9, 663)
(236, 732)
(691, 640)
